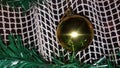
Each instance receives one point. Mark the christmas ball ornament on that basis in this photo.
(74, 32)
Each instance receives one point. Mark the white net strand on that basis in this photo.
(38, 26)
(47, 30)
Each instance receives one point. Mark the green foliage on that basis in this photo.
(16, 55)
(24, 4)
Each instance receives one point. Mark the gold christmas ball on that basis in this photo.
(75, 32)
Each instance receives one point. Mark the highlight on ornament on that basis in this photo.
(74, 34)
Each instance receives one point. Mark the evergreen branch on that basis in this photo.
(24, 4)
(16, 55)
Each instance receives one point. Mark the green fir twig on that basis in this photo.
(24, 4)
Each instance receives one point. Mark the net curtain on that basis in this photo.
(37, 26)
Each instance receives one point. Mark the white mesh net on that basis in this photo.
(38, 26)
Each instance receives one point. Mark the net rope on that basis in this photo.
(37, 26)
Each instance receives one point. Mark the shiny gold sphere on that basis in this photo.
(75, 32)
